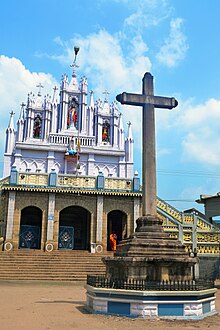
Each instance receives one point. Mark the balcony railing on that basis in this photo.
(65, 140)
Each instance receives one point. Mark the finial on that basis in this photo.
(54, 93)
(22, 105)
(12, 113)
(39, 86)
(106, 93)
(76, 50)
(129, 123)
(74, 65)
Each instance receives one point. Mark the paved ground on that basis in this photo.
(56, 306)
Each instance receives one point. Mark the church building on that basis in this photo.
(68, 171)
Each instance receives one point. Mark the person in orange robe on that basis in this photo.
(113, 240)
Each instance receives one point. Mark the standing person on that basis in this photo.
(113, 240)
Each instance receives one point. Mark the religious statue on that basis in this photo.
(106, 132)
(37, 128)
(72, 114)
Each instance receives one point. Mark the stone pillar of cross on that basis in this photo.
(148, 101)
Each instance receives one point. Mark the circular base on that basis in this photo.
(8, 246)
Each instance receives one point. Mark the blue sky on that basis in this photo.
(176, 40)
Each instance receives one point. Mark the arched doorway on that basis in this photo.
(30, 228)
(117, 224)
(74, 229)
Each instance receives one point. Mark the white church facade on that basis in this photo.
(68, 171)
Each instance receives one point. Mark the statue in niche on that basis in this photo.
(106, 132)
(73, 114)
(37, 128)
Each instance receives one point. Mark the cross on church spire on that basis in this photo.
(39, 86)
(106, 93)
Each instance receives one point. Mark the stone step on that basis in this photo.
(57, 279)
(54, 266)
(53, 274)
(81, 268)
(46, 256)
(75, 261)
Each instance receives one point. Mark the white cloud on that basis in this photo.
(163, 151)
(202, 147)
(15, 83)
(195, 128)
(175, 46)
(199, 126)
(201, 114)
(145, 13)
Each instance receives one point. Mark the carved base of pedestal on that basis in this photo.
(149, 269)
(150, 254)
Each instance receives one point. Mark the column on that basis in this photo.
(50, 222)
(10, 215)
(99, 212)
(50, 161)
(91, 162)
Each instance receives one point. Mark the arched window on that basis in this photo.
(37, 127)
(106, 132)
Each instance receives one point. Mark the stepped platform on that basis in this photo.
(54, 266)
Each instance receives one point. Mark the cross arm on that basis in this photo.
(141, 100)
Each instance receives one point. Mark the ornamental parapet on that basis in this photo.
(74, 182)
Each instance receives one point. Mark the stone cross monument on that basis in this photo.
(148, 102)
(149, 254)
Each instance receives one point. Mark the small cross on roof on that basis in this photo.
(39, 86)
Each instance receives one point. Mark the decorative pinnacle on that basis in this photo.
(76, 50)
(22, 105)
(74, 65)
(54, 93)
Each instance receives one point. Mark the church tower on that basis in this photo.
(67, 134)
